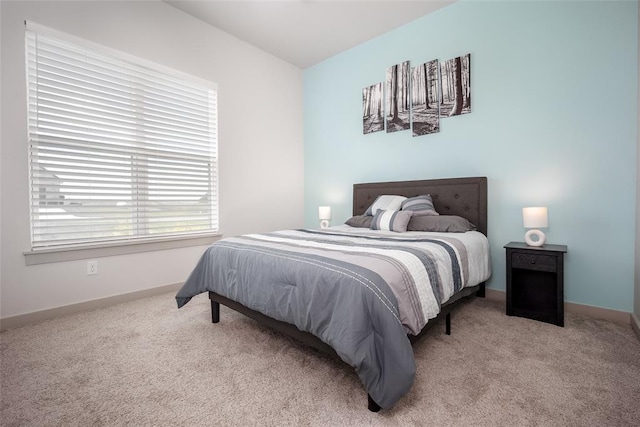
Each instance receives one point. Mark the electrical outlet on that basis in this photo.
(92, 267)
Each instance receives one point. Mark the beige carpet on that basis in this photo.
(147, 363)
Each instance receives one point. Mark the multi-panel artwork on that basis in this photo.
(418, 97)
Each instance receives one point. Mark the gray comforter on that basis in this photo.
(358, 292)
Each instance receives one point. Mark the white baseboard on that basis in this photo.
(14, 322)
(621, 317)
(635, 324)
(495, 295)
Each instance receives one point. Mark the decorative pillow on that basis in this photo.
(363, 221)
(444, 223)
(391, 220)
(420, 205)
(387, 203)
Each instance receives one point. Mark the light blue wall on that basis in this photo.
(553, 123)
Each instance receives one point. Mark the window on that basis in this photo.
(119, 150)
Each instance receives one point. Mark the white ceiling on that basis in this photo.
(306, 32)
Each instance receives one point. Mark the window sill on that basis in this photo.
(46, 256)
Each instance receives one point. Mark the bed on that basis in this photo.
(362, 295)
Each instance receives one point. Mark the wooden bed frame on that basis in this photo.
(465, 197)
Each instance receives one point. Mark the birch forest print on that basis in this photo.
(418, 97)
(425, 101)
(397, 97)
(456, 86)
(372, 113)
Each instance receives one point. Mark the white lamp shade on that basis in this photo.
(535, 217)
(324, 212)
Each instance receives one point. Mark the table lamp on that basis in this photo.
(324, 214)
(535, 218)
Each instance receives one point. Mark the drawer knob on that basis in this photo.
(533, 261)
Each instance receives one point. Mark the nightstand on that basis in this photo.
(535, 282)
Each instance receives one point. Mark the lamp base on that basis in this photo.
(540, 238)
(324, 223)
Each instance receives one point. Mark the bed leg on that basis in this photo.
(448, 324)
(480, 292)
(373, 406)
(215, 311)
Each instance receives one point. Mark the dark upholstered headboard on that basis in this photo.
(465, 197)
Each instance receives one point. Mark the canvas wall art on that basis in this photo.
(418, 97)
(372, 111)
(397, 97)
(456, 86)
(425, 99)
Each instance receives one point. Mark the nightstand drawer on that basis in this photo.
(534, 261)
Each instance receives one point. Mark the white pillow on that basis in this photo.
(385, 203)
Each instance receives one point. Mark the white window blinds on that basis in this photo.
(118, 150)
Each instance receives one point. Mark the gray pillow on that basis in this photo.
(362, 221)
(391, 220)
(419, 205)
(443, 223)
